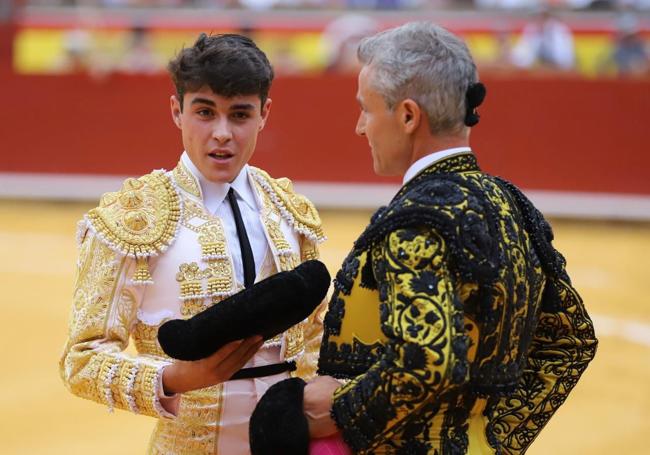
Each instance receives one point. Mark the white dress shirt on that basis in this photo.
(216, 201)
(430, 159)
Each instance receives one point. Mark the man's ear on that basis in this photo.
(264, 113)
(410, 115)
(175, 106)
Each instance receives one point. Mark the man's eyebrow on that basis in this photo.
(242, 107)
(204, 101)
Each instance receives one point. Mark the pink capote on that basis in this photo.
(331, 445)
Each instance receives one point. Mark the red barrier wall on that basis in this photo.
(555, 134)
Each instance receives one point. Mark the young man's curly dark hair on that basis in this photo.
(229, 64)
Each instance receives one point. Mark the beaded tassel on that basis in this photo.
(142, 274)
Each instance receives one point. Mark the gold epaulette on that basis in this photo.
(141, 220)
(296, 209)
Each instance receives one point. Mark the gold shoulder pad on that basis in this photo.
(297, 210)
(140, 220)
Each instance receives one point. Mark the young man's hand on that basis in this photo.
(317, 404)
(184, 376)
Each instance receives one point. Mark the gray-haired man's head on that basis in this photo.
(426, 63)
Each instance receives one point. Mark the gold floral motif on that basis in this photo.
(218, 274)
(186, 180)
(190, 307)
(147, 231)
(220, 278)
(212, 239)
(189, 272)
(189, 277)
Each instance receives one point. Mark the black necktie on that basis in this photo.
(244, 244)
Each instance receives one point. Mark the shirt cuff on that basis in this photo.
(169, 403)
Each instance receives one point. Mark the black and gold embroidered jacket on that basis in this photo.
(455, 321)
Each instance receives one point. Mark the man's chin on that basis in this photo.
(221, 177)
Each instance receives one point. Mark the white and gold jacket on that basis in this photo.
(154, 246)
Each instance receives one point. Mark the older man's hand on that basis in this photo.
(317, 404)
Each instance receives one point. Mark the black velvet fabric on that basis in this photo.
(268, 308)
(278, 425)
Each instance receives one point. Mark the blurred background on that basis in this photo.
(86, 101)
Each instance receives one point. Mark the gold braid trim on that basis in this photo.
(299, 212)
(141, 220)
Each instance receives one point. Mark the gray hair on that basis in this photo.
(426, 63)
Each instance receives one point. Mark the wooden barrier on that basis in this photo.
(563, 134)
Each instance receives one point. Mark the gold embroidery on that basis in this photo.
(220, 281)
(219, 284)
(295, 340)
(142, 274)
(94, 289)
(131, 199)
(145, 338)
(295, 208)
(141, 220)
(193, 210)
(196, 428)
(189, 277)
(135, 221)
(126, 311)
(190, 307)
(186, 180)
(289, 262)
(271, 221)
(212, 240)
(309, 251)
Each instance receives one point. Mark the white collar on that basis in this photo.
(429, 159)
(214, 193)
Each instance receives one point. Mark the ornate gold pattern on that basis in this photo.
(145, 338)
(299, 212)
(122, 237)
(142, 274)
(186, 180)
(220, 280)
(102, 314)
(272, 224)
(213, 240)
(196, 428)
(193, 210)
(142, 219)
(470, 302)
(189, 276)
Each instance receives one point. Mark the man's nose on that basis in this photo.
(361, 126)
(221, 131)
